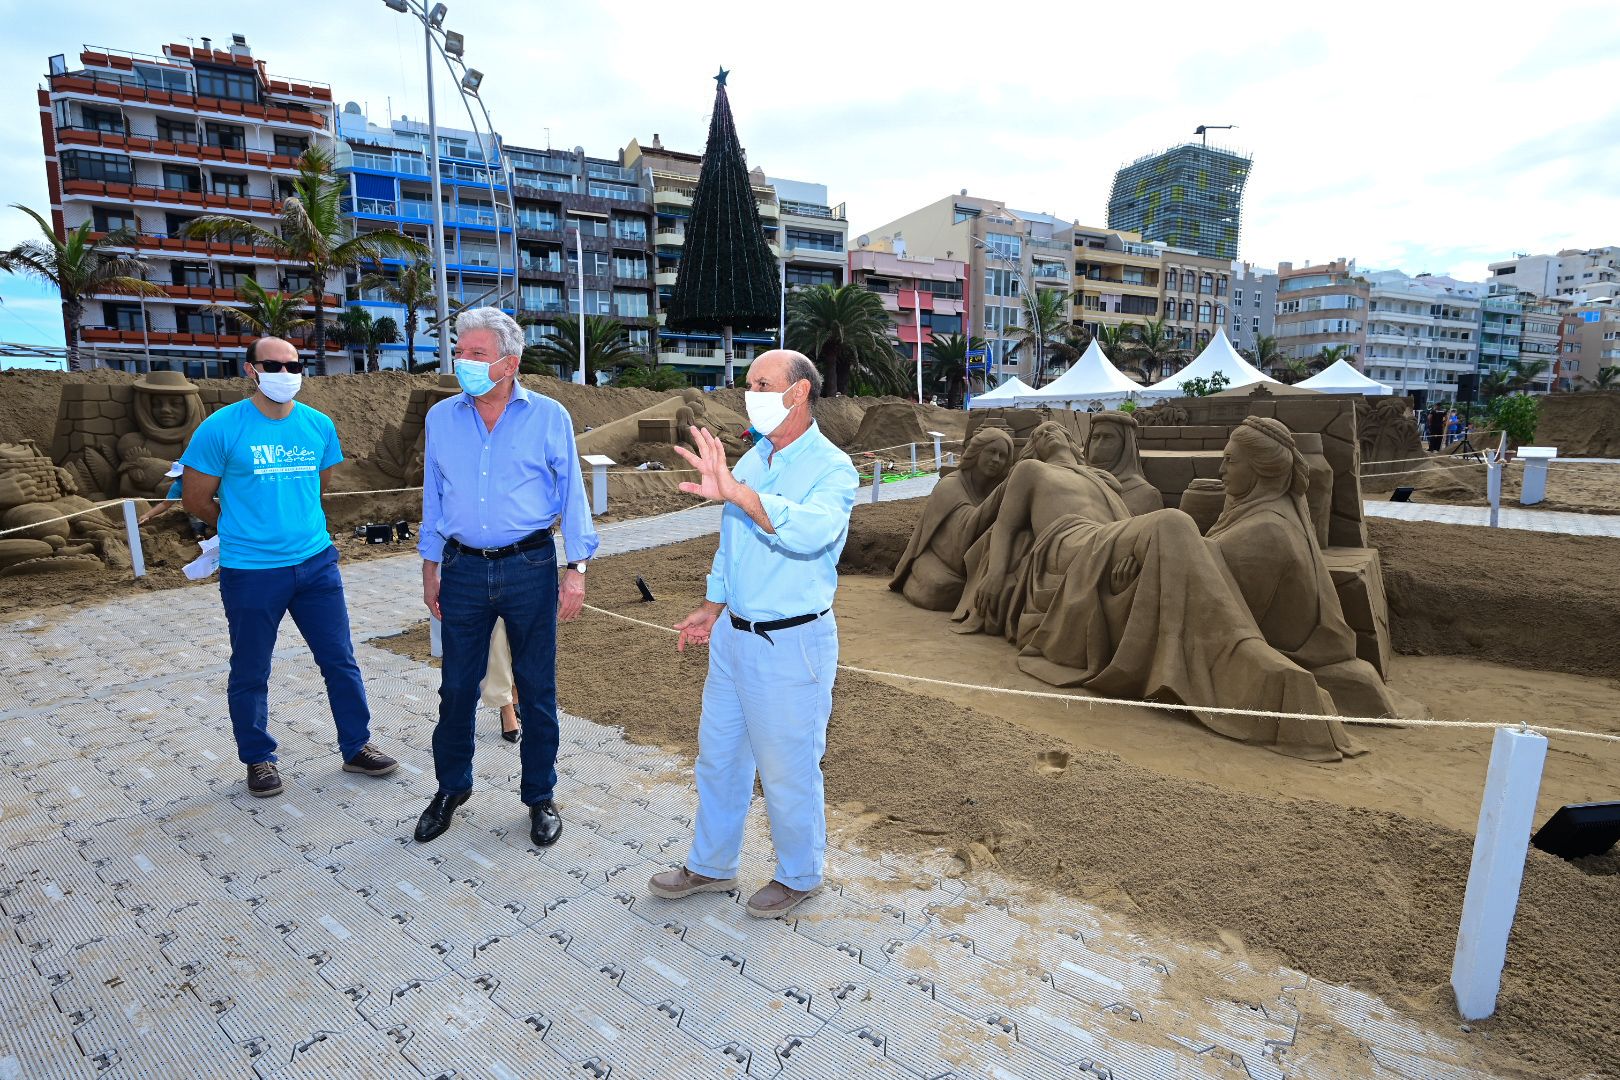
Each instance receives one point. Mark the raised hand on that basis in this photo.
(714, 475)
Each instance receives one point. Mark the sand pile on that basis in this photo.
(1347, 893)
(889, 426)
(1585, 424)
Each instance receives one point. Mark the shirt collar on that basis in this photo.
(794, 448)
(519, 393)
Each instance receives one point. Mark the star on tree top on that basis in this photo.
(721, 78)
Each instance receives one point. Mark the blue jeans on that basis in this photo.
(473, 592)
(765, 707)
(312, 593)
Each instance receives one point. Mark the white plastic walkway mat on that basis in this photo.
(160, 922)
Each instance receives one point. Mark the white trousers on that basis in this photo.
(765, 708)
(496, 690)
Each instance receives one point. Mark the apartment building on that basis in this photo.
(1422, 332)
(1321, 306)
(147, 142)
(1541, 338)
(1252, 314)
(1584, 273)
(1501, 328)
(673, 177)
(568, 202)
(1118, 279)
(1007, 252)
(1197, 295)
(391, 189)
(1571, 325)
(924, 296)
(815, 234)
(1598, 345)
(1189, 196)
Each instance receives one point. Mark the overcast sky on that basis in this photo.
(1434, 137)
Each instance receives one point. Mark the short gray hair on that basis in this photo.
(508, 334)
(799, 367)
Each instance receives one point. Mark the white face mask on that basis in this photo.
(766, 409)
(280, 386)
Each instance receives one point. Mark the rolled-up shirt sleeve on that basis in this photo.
(430, 544)
(714, 589)
(821, 518)
(578, 531)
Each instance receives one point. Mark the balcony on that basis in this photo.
(190, 246)
(812, 210)
(667, 237)
(200, 200)
(667, 196)
(211, 294)
(768, 210)
(142, 144)
(130, 91)
(107, 335)
(536, 267)
(691, 356)
(1050, 274)
(665, 277)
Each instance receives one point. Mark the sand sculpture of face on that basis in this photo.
(168, 407)
(1261, 462)
(988, 457)
(1050, 440)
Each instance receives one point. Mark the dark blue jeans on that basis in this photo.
(312, 593)
(473, 592)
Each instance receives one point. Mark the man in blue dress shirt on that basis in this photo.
(500, 471)
(773, 657)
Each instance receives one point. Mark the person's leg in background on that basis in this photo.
(498, 690)
(255, 601)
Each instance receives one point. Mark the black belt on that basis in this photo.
(763, 628)
(528, 543)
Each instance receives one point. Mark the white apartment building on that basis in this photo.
(1577, 273)
(1422, 332)
(815, 234)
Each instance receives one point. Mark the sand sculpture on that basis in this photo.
(403, 447)
(1111, 446)
(118, 439)
(33, 492)
(933, 569)
(1143, 606)
(1389, 434)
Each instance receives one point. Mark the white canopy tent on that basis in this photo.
(1219, 356)
(1003, 396)
(1342, 378)
(1092, 379)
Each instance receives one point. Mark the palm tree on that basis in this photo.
(1291, 369)
(1154, 350)
(1329, 355)
(1515, 377)
(413, 290)
(79, 268)
(949, 365)
(1116, 341)
(266, 314)
(312, 230)
(1071, 344)
(1267, 355)
(357, 329)
(1045, 314)
(846, 330)
(1608, 378)
(607, 346)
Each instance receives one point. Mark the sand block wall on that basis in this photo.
(1358, 578)
(1171, 471)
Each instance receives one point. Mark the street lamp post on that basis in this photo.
(579, 246)
(441, 283)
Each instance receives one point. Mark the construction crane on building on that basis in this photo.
(1202, 130)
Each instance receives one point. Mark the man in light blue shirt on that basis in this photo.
(773, 657)
(267, 458)
(500, 470)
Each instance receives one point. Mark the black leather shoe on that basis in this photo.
(436, 818)
(545, 824)
(509, 736)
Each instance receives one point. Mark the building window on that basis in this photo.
(598, 302)
(539, 220)
(629, 305)
(640, 337)
(964, 213)
(191, 274)
(111, 219)
(1186, 310)
(192, 321)
(998, 282)
(1237, 296)
(588, 226)
(291, 145)
(803, 277)
(88, 165)
(177, 131)
(123, 316)
(298, 281)
(221, 83)
(1220, 286)
(1188, 281)
(163, 78)
(542, 298)
(630, 228)
(175, 224)
(227, 184)
(1206, 283)
(814, 240)
(946, 290)
(1220, 313)
(225, 136)
(1203, 312)
(102, 120)
(613, 191)
(1002, 244)
(232, 275)
(943, 324)
(182, 178)
(596, 263)
(1138, 305)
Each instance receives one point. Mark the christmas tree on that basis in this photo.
(728, 276)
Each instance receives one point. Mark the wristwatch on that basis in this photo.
(577, 567)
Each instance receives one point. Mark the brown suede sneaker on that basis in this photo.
(776, 900)
(679, 882)
(263, 779)
(370, 761)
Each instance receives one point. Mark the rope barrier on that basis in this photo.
(1429, 472)
(1072, 699)
(64, 517)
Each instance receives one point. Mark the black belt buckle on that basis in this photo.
(763, 628)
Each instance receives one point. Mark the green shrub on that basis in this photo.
(652, 378)
(1515, 414)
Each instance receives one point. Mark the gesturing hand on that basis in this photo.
(695, 628)
(714, 475)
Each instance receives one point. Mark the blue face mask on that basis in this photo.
(473, 375)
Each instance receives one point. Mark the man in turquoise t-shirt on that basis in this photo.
(267, 459)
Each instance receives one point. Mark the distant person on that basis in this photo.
(501, 469)
(498, 691)
(268, 459)
(1453, 427)
(172, 499)
(1435, 427)
(773, 658)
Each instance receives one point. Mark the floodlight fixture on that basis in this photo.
(398, 5)
(454, 43)
(436, 16)
(471, 80)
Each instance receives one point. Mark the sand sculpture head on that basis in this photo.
(168, 406)
(1111, 443)
(1262, 462)
(987, 458)
(1052, 442)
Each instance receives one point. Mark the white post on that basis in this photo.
(599, 482)
(725, 344)
(579, 246)
(1493, 487)
(916, 310)
(939, 458)
(1505, 814)
(137, 557)
(781, 308)
(913, 457)
(435, 638)
(441, 289)
(1535, 458)
(877, 478)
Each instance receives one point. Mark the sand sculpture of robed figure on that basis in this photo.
(1142, 606)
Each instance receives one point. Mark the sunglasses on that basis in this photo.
(275, 367)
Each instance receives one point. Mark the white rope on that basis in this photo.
(374, 491)
(1073, 699)
(1429, 472)
(64, 517)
